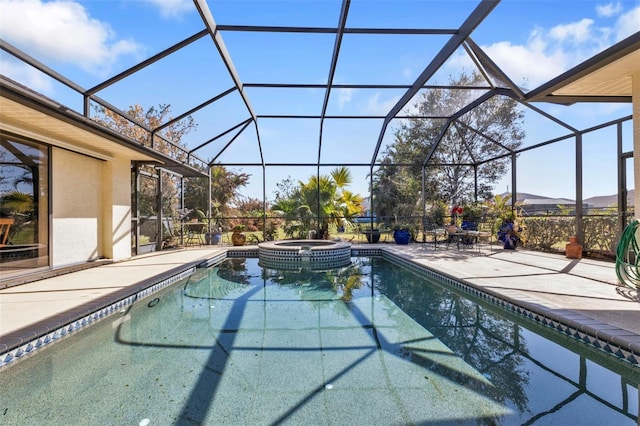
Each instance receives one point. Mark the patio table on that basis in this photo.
(461, 237)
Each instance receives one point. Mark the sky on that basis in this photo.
(532, 41)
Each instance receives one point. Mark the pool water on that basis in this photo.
(371, 343)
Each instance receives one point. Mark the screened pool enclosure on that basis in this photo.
(285, 91)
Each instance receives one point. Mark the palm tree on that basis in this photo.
(26, 179)
(322, 197)
(18, 202)
(19, 206)
(347, 203)
(297, 216)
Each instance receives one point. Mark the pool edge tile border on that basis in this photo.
(597, 334)
(40, 342)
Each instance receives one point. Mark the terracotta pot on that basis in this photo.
(238, 238)
(452, 229)
(573, 250)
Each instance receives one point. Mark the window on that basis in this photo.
(24, 205)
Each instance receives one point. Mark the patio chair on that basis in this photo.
(432, 229)
(487, 231)
(5, 226)
(173, 233)
(194, 233)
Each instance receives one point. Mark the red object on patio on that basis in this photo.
(573, 250)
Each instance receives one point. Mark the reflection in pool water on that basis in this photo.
(371, 343)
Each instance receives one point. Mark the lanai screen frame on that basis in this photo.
(498, 84)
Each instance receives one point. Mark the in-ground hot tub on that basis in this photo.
(312, 254)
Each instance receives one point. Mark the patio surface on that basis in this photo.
(582, 293)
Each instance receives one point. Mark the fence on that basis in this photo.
(547, 231)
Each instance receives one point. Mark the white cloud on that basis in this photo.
(550, 52)
(63, 31)
(575, 32)
(173, 8)
(374, 106)
(608, 10)
(531, 64)
(344, 96)
(627, 24)
(27, 75)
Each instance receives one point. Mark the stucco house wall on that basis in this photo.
(116, 179)
(87, 185)
(76, 194)
(90, 208)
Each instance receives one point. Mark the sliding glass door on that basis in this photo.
(24, 205)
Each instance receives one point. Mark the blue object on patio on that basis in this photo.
(508, 235)
(194, 233)
(401, 236)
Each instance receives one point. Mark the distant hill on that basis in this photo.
(520, 196)
(609, 200)
(597, 201)
(526, 196)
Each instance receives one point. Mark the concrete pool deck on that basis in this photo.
(582, 293)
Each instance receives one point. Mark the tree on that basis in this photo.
(21, 183)
(170, 144)
(224, 183)
(489, 130)
(251, 210)
(394, 197)
(323, 198)
(19, 202)
(285, 189)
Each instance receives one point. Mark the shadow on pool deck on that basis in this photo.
(582, 293)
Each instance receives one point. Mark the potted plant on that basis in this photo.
(238, 237)
(372, 234)
(456, 219)
(509, 221)
(213, 231)
(402, 234)
(509, 233)
(213, 237)
(471, 215)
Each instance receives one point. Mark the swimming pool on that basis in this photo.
(372, 343)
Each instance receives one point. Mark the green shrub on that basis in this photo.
(543, 233)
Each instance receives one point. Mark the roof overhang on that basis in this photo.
(30, 114)
(606, 77)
